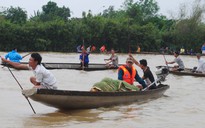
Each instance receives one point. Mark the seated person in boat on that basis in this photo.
(201, 64)
(43, 78)
(84, 59)
(148, 76)
(113, 60)
(110, 85)
(128, 73)
(178, 60)
(14, 56)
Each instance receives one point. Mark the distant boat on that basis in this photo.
(76, 66)
(67, 100)
(185, 72)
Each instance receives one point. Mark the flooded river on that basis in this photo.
(182, 106)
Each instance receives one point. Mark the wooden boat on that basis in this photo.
(67, 100)
(76, 66)
(185, 72)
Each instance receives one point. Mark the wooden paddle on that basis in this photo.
(83, 56)
(150, 85)
(22, 89)
(25, 55)
(165, 60)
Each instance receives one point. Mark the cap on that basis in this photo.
(129, 59)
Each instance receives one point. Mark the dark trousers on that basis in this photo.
(85, 65)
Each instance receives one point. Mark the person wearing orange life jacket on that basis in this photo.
(128, 73)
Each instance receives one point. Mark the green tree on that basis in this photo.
(16, 15)
(52, 12)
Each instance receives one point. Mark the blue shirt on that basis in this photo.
(85, 57)
(203, 48)
(13, 56)
(137, 78)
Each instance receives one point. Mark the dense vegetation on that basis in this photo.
(136, 23)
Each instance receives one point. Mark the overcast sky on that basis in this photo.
(77, 6)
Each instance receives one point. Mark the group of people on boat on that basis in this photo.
(180, 64)
(43, 78)
(126, 73)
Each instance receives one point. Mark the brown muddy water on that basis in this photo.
(182, 106)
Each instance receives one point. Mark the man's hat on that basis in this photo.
(129, 59)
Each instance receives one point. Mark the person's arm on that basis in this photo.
(16, 65)
(172, 62)
(108, 60)
(140, 80)
(134, 60)
(120, 74)
(39, 79)
(7, 56)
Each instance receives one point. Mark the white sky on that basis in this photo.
(96, 6)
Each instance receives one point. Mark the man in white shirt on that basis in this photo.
(43, 78)
(201, 64)
(178, 60)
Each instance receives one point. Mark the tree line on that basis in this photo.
(134, 24)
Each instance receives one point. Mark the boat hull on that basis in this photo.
(74, 66)
(185, 72)
(67, 100)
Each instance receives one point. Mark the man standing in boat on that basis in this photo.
(84, 59)
(178, 60)
(128, 73)
(14, 56)
(113, 59)
(43, 78)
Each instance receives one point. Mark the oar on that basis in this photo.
(22, 89)
(150, 85)
(25, 55)
(165, 60)
(83, 56)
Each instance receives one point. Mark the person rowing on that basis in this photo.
(178, 60)
(14, 56)
(43, 78)
(84, 59)
(113, 60)
(148, 76)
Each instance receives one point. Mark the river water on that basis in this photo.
(182, 106)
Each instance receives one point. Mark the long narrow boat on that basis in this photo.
(67, 100)
(185, 72)
(76, 66)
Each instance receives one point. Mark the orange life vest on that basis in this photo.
(127, 77)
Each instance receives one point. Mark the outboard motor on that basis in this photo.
(161, 73)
